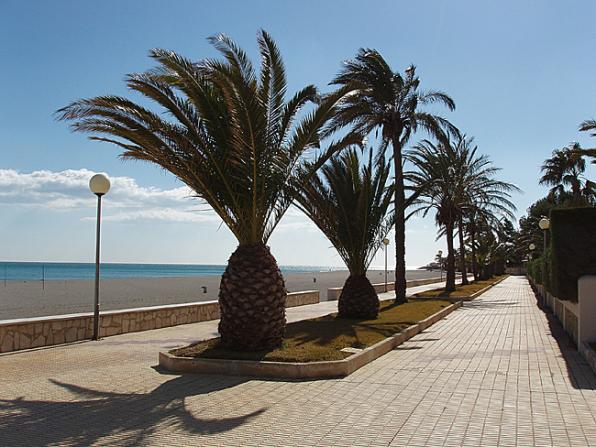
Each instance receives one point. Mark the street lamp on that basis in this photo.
(385, 243)
(99, 185)
(440, 256)
(544, 225)
(532, 247)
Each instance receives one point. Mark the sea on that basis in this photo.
(32, 271)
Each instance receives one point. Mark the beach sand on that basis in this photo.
(24, 299)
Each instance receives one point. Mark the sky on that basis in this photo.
(521, 74)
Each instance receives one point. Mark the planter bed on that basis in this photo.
(461, 293)
(323, 347)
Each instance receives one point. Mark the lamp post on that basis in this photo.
(544, 225)
(532, 247)
(440, 256)
(385, 243)
(99, 185)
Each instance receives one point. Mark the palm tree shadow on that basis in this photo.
(127, 417)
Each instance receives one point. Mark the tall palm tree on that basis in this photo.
(233, 138)
(457, 183)
(566, 168)
(382, 99)
(589, 126)
(349, 203)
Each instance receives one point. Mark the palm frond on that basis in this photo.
(228, 132)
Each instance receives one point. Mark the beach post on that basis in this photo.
(385, 242)
(99, 185)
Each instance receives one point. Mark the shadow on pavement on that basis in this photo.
(128, 419)
(580, 374)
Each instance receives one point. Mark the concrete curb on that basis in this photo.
(312, 370)
(458, 299)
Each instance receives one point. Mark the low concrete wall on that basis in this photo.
(334, 292)
(586, 304)
(29, 333)
(566, 311)
(519, 271)
(578, 319)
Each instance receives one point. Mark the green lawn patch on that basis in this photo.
(461, 291)
(323, 338)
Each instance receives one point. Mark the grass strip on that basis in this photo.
(323, 338)
(460, 291)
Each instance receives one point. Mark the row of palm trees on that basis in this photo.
(233, 136)
(460, 186)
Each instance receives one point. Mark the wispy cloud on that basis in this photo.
(68, 190)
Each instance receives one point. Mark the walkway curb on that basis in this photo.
(312, 370)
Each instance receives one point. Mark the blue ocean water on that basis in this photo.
(31, 271)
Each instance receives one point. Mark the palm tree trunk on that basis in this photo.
(473, 252)
(450, 284)
(358, 299)
(462, 254)
(252, 300)
(400, 223)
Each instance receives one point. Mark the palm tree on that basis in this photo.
(349, 202)
(383, 99)
(588, 126)
(435, 178)
(232, 137)
(458, 184)
(566, 168)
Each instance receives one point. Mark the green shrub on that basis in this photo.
(534, 269)
(573, 249)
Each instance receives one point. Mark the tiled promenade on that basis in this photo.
(489, 374)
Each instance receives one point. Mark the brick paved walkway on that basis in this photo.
(489, 374)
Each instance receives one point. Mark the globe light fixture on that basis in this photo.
(544, 223)
(99, 185)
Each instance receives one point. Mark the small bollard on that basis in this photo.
(204, 289)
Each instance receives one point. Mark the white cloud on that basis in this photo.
(295, 220)
(69, 190)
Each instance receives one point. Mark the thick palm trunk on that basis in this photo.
(450, 284)
(400, 224)
(358, 299)
(462, 254)
(252, 300)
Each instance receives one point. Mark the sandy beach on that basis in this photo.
(24, 299)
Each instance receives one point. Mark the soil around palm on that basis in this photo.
(323, 338)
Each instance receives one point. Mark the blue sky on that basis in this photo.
(521, 73)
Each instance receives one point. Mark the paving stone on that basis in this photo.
(495, 372)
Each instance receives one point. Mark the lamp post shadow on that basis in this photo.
(128, 418)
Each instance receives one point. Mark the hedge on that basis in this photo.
(539, 270)
(573, 249)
